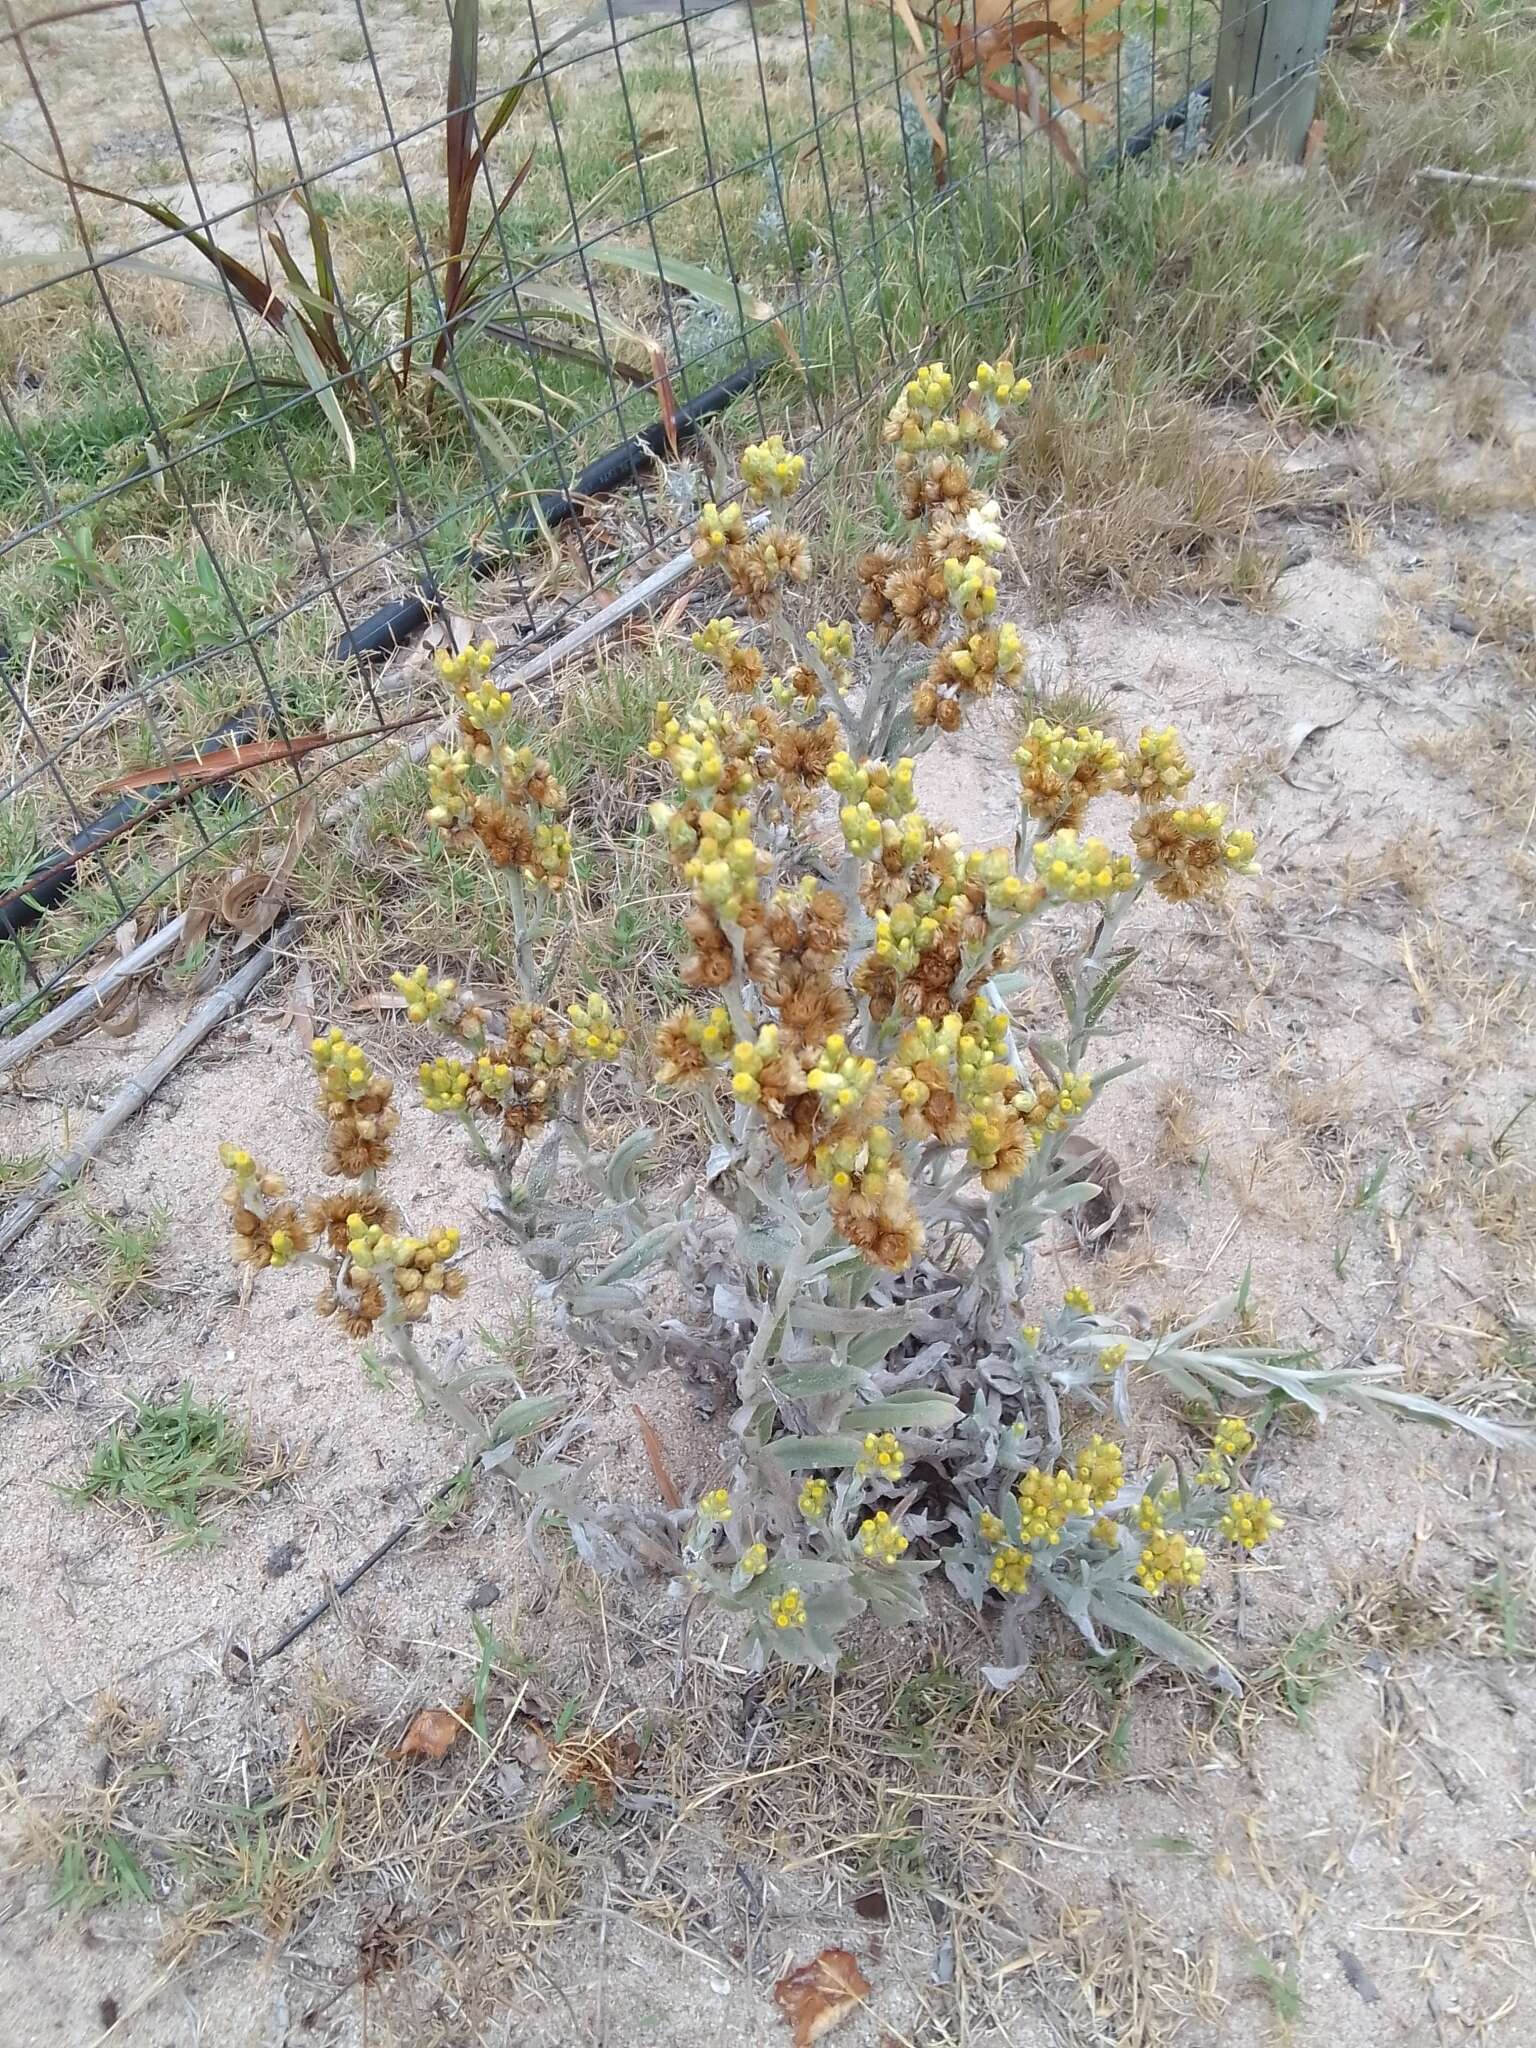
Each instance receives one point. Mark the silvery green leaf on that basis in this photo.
(853, 1322)
(730, 1304)
(805, 1382)
(720, 1161)
(625, 1161)
(1001, 1676)
(764, 1248)
(596, 1300)
(1053, 1201)
(645, 1251)
(1120, 1609)
(517, 1420)
(911, 1409)
(813, 1453)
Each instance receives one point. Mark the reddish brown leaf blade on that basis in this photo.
(658, 1458)
(820, 1994)
(220, 762)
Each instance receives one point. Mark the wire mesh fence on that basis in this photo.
(322, 326)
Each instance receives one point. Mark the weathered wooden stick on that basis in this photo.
(14, 1050)
(133, 1095)
(1437, 176)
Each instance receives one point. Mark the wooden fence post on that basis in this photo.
(1264, 91)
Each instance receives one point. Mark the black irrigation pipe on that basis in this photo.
(55, 875)
(391, 623)
(1168, 122)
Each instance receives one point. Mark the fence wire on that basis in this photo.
(410, 310)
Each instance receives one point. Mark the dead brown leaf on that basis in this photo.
(604, 1762)
(819, 1994)
(433, 1732)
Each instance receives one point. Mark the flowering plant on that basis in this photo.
(887, 1142)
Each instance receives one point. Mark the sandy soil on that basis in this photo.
(1353, 1867)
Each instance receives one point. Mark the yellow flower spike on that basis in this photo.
(1101, 1468)
(715, 1506)
(972, 587)
(1078, 1299)
(1010, 1570)
(834, 643)
(444, 1086)
(1233, 1438)
(815, 1497)
(1250, 1520)
(883, 1457)
(754, 1560)
(770, 473)
(719, 528)
(1161, 771)
(788, 1608)
(1081, 871)
(598, 1035)
(881, 1539)
(1170, 1561)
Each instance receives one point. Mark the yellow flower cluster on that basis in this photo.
(886, 790)
(972, 586)
(833, 643)
(344, 1068)
(770, 473)
(1250, 1520)
(916, 421)
(1049, 1500)
(1010, 1569)
(815, 1497)
(724, 872)
(1161, 770)
(705, 748)
(444, 1086)
(902, 937)
(749, 1058)
(788, 1608)
(1169, 1561)
(1061, 772)
(438, 1002)
(990, 1528)
(754, 1560)
(687, 1044)
(1190, 849)
(418, 1267)
(998, 383)
(1006, 895)
(1101, 1468)
(1112, 1357)
(461, 670)
(1233, 1438)
(1078, 1299)
(881, 1539)
(450, 804)
(1081, 871)
(996, 654)
(840, 1078)
(883, 1457)
(715, 1506)
(598, 1034)
(743, 667)
(719, 528)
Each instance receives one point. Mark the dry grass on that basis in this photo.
(1134, 492)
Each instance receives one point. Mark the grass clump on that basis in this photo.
(175, 1462)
